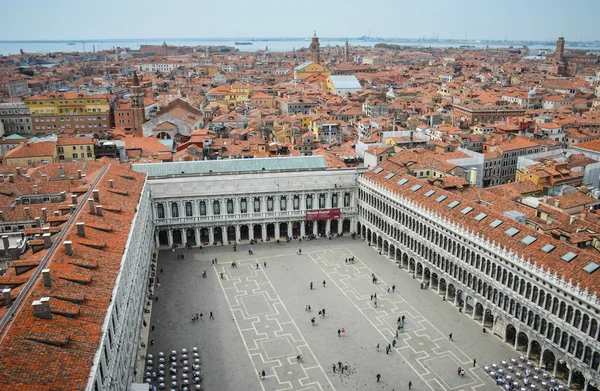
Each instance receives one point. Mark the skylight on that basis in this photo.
(591, 267)
(453, 204)
(430, 193)
(568, 257)
(512, 231)
(416, 187)
(496, 223)
(480, 216)
(547, 248)
(528, 239)
(390, 175)
(466, 210)
(441, 198)
(378, 170)
(402, 181)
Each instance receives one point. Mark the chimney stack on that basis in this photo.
(571, 220)
(44, 215)
(71, 208)
(36, 190)
(99, 210)
(27, 213)
(56, 213)
(28, 178)
(68, 247)
(41, 308)
(5, 242)
(91, 204)
(47, 240)
(47, 280)
(110, 183)
(78, 174)
(557, 203)
(73, 198)
(1, 216)
(38, 222)
(72, 180)
(18, 170)
(1, 178)
(11, 178)
(15, 253)
(96, 194)
(7, 298)
(81, 229)
(63, 195)
(61, 171)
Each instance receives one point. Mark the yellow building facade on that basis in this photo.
(310, 68)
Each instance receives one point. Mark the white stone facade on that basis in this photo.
(542, 316)
(225, 209)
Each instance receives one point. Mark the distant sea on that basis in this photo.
(276, 45)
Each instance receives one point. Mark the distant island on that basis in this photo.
(243, 43)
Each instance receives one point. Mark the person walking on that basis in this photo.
(393, 343)
(256, 265)
(333, 366)
(201, 315)
(474, 362)
(216, 261)
(323, 283)
(387, 350)
(323, 312)
(299, 251)
(450, 337)
(394, 288)
(389, 289)
(409, 384)
(151, 342)
(378, 377)
(339, 332)
(371, 297)
(211, 315)
(377, 347)
(152, 327)
(265, 264)
(311, 285)
(213, 262)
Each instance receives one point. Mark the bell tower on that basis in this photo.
(315, 49)
(137, 104)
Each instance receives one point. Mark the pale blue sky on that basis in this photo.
(480, 19)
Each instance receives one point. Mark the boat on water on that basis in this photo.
(71, 43)
(244, 43)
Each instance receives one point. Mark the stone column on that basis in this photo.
(528, 348)
(516, 339)
(277, 204)
(315, 228)
(263, 204)
(237, 207)
(209, 208)
(328, 200)
(328, 226)
(250, 231)
(183, 236)
(302, 202)
(157, 239)
(264, 231)
(170, 232)
(211, 235)
(555, 366)
(474, 307)
(237, 234)
(302, 228)
(224, 235)
(340, 225)
(197, 232)
(353, 224)
(290, 233)
(277, 233)
(352, 199)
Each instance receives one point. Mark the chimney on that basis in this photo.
(5, 242)
(11, 178)
(35, 189)
(44, 215)
(91, 204)
(68, 247)
(27, 213)
(72, 180)
(96, 194)
(99, 210)
(41, 308)
(556, 202)
(73, 198)
(28, 178)
(38, 222)
(111, 183)
(15, 253)
(63, 195)
(47, 239)
(18, 170)
(571, 220)
(61, 171)
(1, 178)
(46, 275)
(78, 174)
(81, 229)
(1, 216)
(71, 208)
(56, 213)
(7, 298)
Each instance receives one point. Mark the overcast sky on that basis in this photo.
(479, 19)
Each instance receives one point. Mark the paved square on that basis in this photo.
(261, 323)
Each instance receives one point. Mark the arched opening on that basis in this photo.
(244, 232)
(270, 231)
(163, 238)
(218, 235)
(478, 315)
(163, 136)
(488, 319)
(308, 228)
(459, 298)
(419, 273)
(379, 243)
(190, 236)
(283, 230)
(334, 226)
(451, 292)
(230, 234)
(469, 305)
(562, 371)
(177, 237)
(595, 361)
(359, 227)
(443, 286)
(510, 335)
(346, 225)
(322, 228)
(522, 342)
(535, 350)
(296, 229)
(434, 281)
(405, 261)
(368, 236)
(257, 231)
(577, 380)
(386, 247)
(412, 266)
(548, 360)
(204, 236)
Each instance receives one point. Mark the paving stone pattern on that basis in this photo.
(261, 322)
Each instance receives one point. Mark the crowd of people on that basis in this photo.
(521, 374)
